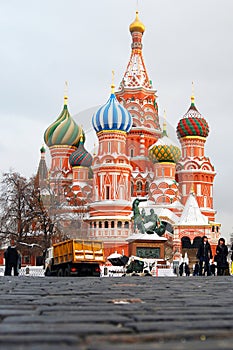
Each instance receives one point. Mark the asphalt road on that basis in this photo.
(113, 313)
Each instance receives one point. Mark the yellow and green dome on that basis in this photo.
(164, 150)
(64, 131)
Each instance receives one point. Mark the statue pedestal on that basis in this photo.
(147, 246)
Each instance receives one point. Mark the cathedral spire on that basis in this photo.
(164, 124)
(66, 93)
(113, 85)
(136, 75)
(42, 171)
(192, 96)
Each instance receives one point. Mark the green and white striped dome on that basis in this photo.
(64, 131)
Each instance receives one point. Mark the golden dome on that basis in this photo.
(137, 25)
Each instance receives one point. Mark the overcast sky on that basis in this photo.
(46, 42)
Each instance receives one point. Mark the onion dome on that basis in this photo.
(192, 123)
(164, 150)
(112, 116)
(64, 131)
(80, 157)
(137, 25)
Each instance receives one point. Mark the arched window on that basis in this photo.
(132, 188)
(105, 224)
(131, 152)
(184, 189)
(119, 224)
(121, 192)
(112, 224)
(61, 163)
(100, 224)
(186, 243)
(96, 193)
(139, 186)
(147, 187)
(196, 242)
(126, 224)
(107, 192)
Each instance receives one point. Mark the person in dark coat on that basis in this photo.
(187, 270)
(184, 269)
(204, 254)
(213, 268)
(12, 257)
(231, 260)
(196, 269)
(181, 269)
(221, 257)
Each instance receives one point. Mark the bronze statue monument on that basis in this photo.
(146, 223)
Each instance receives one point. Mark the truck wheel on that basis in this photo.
(67, 272)
(60, 273)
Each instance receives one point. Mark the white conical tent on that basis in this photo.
(192, 214)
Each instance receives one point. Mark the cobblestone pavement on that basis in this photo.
(167, 313)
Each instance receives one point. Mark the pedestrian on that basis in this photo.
(232, 259)
(204, 254)
(186, 269)
(181, 269)
(12, 261)
(196, 269)
(213, 268)
(221, 257)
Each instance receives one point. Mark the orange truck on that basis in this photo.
(74, 257)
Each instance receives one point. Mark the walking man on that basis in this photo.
(12, 257)
(204, 254)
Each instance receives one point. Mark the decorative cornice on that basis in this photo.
(62, 146)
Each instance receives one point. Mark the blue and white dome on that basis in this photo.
(112, 116)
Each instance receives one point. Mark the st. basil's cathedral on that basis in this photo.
(135, 159)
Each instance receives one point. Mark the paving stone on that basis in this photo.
(58, 328)
(194, 313)
(68, 318)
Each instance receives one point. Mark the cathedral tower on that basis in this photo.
(62, 137)
(165, 154)
(139, 98)
(111, 208)
(42, 171)
(194, 170)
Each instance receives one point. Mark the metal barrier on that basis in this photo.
(32, 271)
(27, 271)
